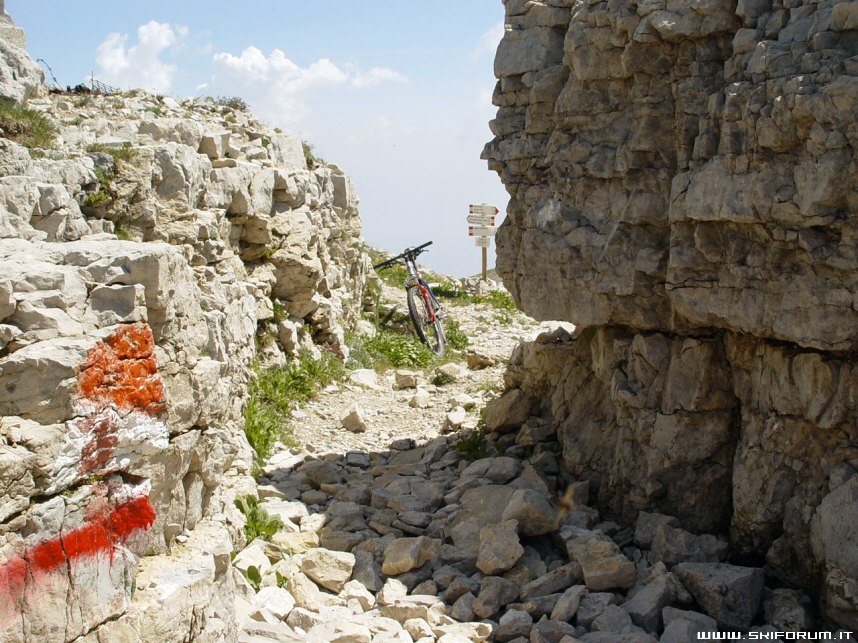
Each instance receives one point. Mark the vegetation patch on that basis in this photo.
(312, 160)
(472, 447)
(391, 349)
(120, 153)
(442, 379)
(276, 392)
(96, 199)
(232, 102)
(259, 523)
(456, 337)
(27, 127)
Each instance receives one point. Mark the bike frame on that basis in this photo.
(414, 278)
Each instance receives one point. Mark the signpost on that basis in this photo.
(482, 216)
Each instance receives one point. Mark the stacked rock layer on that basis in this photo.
(147, 261)
(682, 187)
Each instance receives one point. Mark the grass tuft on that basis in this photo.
(277, 391)
(122, 153)
(30, 128)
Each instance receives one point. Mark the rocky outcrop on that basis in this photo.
(148, 261)
(681, 177)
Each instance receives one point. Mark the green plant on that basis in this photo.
(274, 393)
(259, 524)
(229, 118)
(121, 232)
(254, 577)
(442, 379)
(25, 126)
(503, 318)
(122, 153)
(280, 311)
(472, 447)
(96, 199)
(154, 109)
(449, 290)
(390, 348)
(233, 102)
(456, 337)
(359, 355)
(394, 276)
(498, 299)
(312, 160)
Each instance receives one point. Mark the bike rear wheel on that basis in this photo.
(422, 314)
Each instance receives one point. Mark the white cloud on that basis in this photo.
(280, 88)
(376, 76)
(487, 44)
(140, 64)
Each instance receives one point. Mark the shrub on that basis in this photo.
(25, 126)
(96, 199)
(233, 102)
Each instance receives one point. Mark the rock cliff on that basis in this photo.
(682, 187)
(148, 260)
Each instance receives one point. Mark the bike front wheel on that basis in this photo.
(427, 324)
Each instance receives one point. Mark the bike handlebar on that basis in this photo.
(408, 252)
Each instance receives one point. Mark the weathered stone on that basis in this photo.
(567, 605)
(729, 594)
(512, 624)
(405, 554)
(591, 606)
(645, 603)
(556, 581)
(354, 421)
(500, 548)
(602, 564)
(533, 511)
(330, 569)
(509, 411)
(495, 592)
(682, 625)
(276, 600)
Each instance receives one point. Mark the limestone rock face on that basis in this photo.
(680, 183)
(146, 263)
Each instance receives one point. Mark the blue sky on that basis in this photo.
(396, 92)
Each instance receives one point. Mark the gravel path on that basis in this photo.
(387, 412)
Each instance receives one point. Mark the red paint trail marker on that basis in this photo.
(97, 537)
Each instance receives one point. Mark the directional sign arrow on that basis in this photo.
(483, 208)
(481, 231)
(481, 219)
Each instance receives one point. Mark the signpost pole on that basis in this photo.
(482, 217)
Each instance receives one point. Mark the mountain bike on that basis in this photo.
(423, 308)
